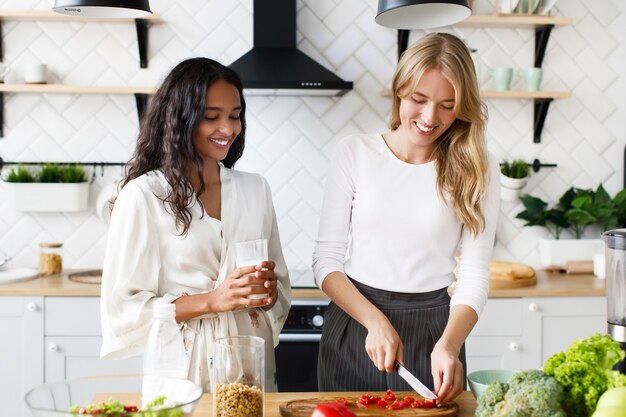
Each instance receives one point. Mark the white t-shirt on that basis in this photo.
(147, 260)
(383, 224)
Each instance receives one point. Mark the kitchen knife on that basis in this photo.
(415, 383)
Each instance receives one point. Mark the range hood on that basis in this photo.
(274, 65)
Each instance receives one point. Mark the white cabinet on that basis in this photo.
(521, 333)
(73, 339)
(48, 339)
(21, 351)
(496, 341)
(552, 324)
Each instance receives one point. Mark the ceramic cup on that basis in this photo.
(532, 78)
(502, 77)
(35, 73)
(4, 70)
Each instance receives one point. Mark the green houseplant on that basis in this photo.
(53, 187)
(513, 177)
(575, 211)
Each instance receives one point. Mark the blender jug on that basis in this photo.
(615, 241)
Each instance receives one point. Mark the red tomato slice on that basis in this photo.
(408, 400)
(429, 403)
(332, 409)
(382, 403)
(417, 404)
(397, 405)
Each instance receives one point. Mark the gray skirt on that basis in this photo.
(419, 319)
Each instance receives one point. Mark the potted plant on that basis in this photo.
(54, 187)
(576, 210)
(513, 177)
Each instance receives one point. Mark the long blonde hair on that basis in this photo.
(461, 152)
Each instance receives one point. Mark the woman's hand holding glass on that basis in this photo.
(241, 283)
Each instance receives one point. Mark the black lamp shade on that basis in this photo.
(421, 14)
(114, 9)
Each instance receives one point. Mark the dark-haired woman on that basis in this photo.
(178, 215)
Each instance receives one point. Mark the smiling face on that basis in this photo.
(221, 123)
(428, 111)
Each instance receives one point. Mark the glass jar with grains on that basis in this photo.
(50, 259)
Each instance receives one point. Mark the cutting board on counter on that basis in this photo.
(304, 408)
(510, 275)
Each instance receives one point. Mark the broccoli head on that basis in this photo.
(528, 393)
(584, 371)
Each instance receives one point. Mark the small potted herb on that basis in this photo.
(576, 210)
(53, 187)
(513, 177)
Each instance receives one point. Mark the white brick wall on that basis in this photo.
(290, 138)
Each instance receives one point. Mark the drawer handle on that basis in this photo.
(53, 347)
(31, 307)
(513, 347)
(534, 307)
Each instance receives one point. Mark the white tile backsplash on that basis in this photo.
(290, 139)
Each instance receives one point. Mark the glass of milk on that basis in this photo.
(251, 252)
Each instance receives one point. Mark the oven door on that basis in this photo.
(296, 362)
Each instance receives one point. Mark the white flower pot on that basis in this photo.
(48, 197)
(557, 252)
(509, 194)
(513, 183)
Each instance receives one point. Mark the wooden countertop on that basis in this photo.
(548, 285)
(466, 402)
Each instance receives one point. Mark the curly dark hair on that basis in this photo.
(168, 128)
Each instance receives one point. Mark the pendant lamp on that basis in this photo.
(113, 9)
(421, 14)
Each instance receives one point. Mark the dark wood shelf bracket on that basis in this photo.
(142, 41)
(542, 35)
(539, 116)
(142, 104)
(403, 41)
(537, 165)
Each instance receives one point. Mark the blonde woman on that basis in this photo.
(397, 206)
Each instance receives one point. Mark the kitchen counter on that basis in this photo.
(466, 402)
(549, 284)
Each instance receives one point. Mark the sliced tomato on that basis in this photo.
(382, 403)
(408, 400)
(131, 408)
(429, 403)
(397, 405)
(332, 409)
(390, 396)
(417, 404)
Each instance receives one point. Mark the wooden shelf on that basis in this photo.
(517, 94)
(513, 94)
(49, 15)
(514, 21)
(74, 89)
(141, 25)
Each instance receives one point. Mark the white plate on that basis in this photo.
(508, 6)
(17, 274)
(547, 5)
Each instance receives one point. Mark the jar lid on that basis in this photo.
(615, 239)
(50, 245)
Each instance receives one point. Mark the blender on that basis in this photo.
(615, 241)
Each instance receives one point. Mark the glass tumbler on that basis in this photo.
(239, 377)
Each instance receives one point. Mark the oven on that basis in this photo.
(296, 354)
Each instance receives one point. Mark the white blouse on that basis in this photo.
(147, 260)
(384, 225)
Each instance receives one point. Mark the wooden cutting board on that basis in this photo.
(304, 408)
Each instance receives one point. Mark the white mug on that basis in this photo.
(4, 70)
(35, 73)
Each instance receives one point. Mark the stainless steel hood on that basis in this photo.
(274, 65)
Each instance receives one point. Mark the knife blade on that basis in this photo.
(415, 383)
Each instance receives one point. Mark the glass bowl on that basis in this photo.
(480, 380)
(56, 398)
